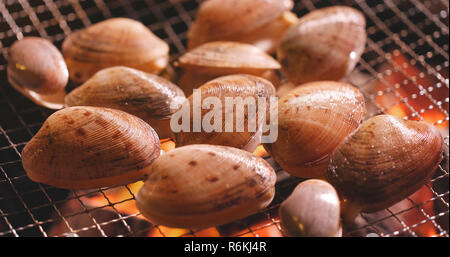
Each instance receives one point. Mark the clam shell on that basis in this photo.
(227, 57)
(312, 210)
(384, 161)
(220, 58)
(113, 42)
(204, 185)
(325, 44)
(90, 147)
(233, 20)
(231, 86)
(268, 36)
(147, 96)
(312, 120)
(37, 69)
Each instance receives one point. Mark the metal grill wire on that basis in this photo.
(413, 29)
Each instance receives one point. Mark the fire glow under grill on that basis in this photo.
(403, 72)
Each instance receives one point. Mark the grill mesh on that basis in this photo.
(403, 71)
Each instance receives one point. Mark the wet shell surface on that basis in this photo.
(37, 69)
(200, 186)
(384, 161)
(220, 58)
(311, 210)
(90, 147)
(312, 120)
(113, 42)
(147, 96)
(325, 44)
(247, 87)
(240, 20)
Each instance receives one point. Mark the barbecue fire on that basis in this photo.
(407, 97)
(415, 95)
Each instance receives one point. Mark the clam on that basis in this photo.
(220, 58)
(147, 96)
(312, 120)
(90, 147)
(325, 44)
(258, 22)
(113, 42)
(285, 88)
(227, 93)
(199, 186)
(384, 161)
(37, 69)
(311, 210)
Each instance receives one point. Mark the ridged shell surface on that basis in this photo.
(325, 44)
(312, 120)
(233, 19)
(205, 185)
(113, 42)
(147, 96)
(90, 147)
(384, 161)
(231, 87)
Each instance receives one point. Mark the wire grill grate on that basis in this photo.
(403, 71)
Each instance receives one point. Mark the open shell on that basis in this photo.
(37, 69)
(311, 210)
(201, 186)
(384, 161)
(261, 22)
(312, 120)
(90, 147)
(147, 96)
(231, 87)
(220, 58)
(325, 44)
(113, 42)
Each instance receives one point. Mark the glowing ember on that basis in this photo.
(406, 91)
(260, 151)
(413, 93)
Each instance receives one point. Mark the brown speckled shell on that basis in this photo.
(204, 185)
(384, 161)
(239, 85)
(147, 96)
(312, 120)
(238, 20)
(311, 210)
(325, 44)
(37, 69)
(90, 147)
(113, 42)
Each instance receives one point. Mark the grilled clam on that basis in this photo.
(325, 44)
(258, 22)
(384, 161)
(234, 96)
(37, 70)
(205, 185)
(90, 147)
(113, 42)
(311, 210)
(220, 58)
(285, 88)
(312, 120)
(147, 96)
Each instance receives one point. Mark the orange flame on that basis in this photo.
(412, 84)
